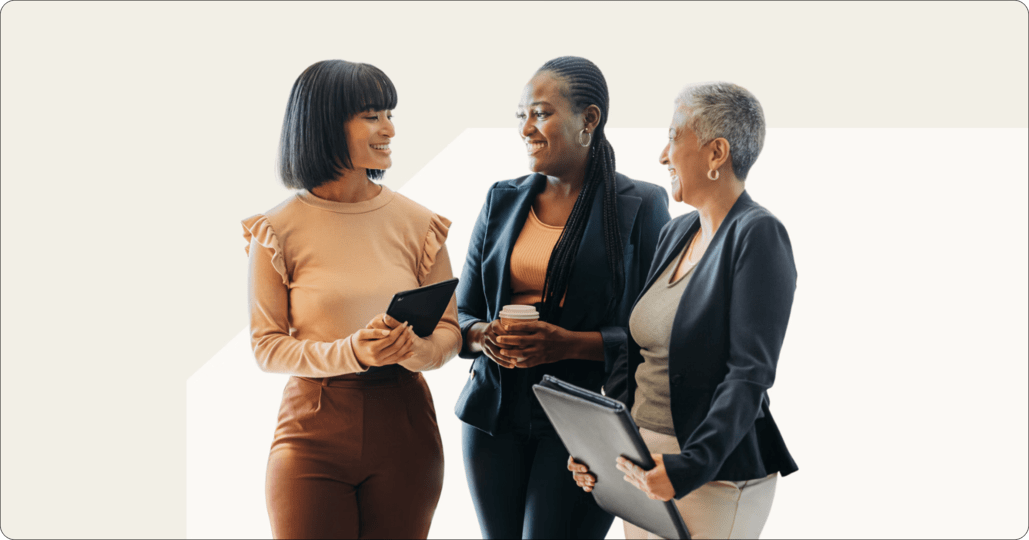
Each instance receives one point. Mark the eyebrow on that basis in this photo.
(534, 103)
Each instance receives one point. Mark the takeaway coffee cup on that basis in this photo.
(517, 313)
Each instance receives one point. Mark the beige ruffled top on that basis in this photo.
(320, 270)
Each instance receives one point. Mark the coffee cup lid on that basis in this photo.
(519, 308)
(518, 311)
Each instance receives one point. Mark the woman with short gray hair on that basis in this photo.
(707, 330)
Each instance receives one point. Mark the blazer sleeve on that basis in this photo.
(471, 296)
(274, 348)
(763, 284)
(653, 215)
(655, 220)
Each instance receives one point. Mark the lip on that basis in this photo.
(384, 148)
(533, 147)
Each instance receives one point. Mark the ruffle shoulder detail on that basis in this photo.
(439, 227)
(258, 228)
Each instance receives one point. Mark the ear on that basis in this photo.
(719, 154)
(592, 118)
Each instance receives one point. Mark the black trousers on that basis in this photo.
(521, 486)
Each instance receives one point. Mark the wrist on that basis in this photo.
(570, 344)
(584, 345)
(357, 357)
(475, 337)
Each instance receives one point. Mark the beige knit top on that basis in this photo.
(320, 270)
(529, 258)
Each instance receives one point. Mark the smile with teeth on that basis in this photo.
(533, 146)
(675, 177)
(381, 146)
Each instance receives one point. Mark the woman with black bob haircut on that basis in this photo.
(575, 240)
(357, 451)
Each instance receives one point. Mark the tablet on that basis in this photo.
(596, 430)
(422, 307)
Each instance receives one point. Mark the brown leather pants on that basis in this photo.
(355, 456)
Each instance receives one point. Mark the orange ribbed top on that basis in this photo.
(529, 259)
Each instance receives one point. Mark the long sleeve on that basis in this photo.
(653, 215)
(471, 305)
(274, 348)
(446, 339)
(763, 286)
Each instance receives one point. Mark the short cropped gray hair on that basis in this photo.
(722, 109)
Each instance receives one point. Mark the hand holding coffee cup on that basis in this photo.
(513, 314)
(529, 342)
(508, 318)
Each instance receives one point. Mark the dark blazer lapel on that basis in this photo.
(713, 255)
(509, 208)
(672, 249)
(589, 287)
(708, 269)
(675, 246)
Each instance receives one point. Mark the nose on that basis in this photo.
(663, 158)
(527, 127)
(388, 129)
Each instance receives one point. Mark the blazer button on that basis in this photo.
(676, 380)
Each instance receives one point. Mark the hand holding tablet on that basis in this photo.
(376, 346)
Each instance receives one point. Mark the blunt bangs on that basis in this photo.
(313, 143)
(366, 88)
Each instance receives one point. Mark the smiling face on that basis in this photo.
(550, 128)
(685, 161)
(368, 136)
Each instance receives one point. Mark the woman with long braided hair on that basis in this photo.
(575, 239)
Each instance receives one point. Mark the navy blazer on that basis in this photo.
(485, 285)
(725, 344)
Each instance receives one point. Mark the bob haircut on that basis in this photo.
(313, 145)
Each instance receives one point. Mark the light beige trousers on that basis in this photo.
(719, 509)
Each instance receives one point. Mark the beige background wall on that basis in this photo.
(134, 136)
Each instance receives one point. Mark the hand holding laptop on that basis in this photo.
(654, 482)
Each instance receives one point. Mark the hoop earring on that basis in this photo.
(717, 174)
(589, 138)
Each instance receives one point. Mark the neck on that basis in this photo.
(352, 187)
(715, 205)
(567, 185)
